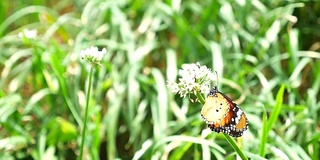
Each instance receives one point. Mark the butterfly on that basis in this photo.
(223, 115)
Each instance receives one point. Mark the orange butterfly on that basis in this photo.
(223, 115)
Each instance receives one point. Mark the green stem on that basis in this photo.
(235, 146)
(86, 114)
(201, 99)
(228, 138)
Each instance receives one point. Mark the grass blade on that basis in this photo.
(277, 108)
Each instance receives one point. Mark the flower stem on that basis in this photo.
(235, 146)
(200, 98)
(228, 138)
(86, 114)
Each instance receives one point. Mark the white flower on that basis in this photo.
(194, 79)
(30, 34)
(205, 88)
(173, 87)
(203, 71)
(93, 55)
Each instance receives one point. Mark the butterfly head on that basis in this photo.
(213, 91)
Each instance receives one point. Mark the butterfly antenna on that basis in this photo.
(216, 77)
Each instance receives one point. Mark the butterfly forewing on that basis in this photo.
(215, 109)
(223, 115)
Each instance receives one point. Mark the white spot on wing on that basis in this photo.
(237, 120)
(239, 113)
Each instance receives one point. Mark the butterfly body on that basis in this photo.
(223, 115)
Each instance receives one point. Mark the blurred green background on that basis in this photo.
(256, 47)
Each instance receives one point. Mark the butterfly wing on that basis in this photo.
(223, 115)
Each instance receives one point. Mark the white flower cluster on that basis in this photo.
(93, 55)
(30, 34)
(194, 78)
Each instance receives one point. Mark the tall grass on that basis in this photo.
(265, 52)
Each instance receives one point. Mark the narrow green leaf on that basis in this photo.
(264, 134)
(277, 108)
(235, 147)
(35, 98)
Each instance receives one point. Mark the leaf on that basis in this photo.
(60, 130)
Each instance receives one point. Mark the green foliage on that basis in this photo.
(60, 130)
(266, 54)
